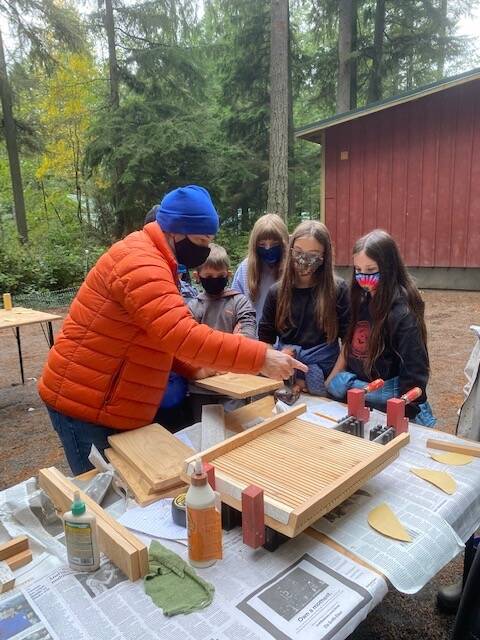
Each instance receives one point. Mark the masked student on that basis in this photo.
(267, 248)
(387, 337)
(307, 311)
(220, 308)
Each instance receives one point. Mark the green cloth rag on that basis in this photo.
(172, 583)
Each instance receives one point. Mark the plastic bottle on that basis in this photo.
(80, 527)
(204, 522)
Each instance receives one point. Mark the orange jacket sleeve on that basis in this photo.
(144, 285)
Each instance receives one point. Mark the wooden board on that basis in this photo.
(239, 385)
(467, 448)
(121, 546)
(19, 559)
(12, 547)
(18, 316)
(241, 419)
(155, 453)
(140, 488)
(305, 470)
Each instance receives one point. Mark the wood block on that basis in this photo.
(209, 469)
(253, 520)
(462, 446)
(241, 419)
(7, 579)
(239, 385)
(19, 559)
(140, 488)
(123, 548)
(154, 453)
(12, 547)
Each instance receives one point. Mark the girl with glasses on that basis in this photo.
(387, 336)
(307, 311)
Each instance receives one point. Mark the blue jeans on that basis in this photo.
(343, 381)
(77, 438)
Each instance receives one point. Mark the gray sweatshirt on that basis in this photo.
(225, 312)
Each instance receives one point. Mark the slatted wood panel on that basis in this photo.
(239, 385)
(305, 470)
(414, 170)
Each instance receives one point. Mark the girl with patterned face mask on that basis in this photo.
(307, 312)
(387, 337)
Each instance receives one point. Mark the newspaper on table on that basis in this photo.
(304, 590)
(438, 523)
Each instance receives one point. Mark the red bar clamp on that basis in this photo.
(396, 410)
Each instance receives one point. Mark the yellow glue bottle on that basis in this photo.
(204, 521)
(80, 528)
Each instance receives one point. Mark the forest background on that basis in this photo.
(108, 104)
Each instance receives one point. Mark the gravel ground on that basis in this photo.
(29, 443)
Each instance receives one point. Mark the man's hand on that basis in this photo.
(280, 366)
(204, 373)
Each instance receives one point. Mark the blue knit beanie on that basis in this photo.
(188, 210)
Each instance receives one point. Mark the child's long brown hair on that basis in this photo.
(267, 227)
(394, 279)
(324, 282)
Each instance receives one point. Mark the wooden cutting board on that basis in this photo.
(239, 385)
(154, 453)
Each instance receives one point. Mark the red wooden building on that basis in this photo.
(410, 165)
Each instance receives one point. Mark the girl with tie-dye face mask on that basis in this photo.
(387, 337)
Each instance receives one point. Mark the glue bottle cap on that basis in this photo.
(199, 477)
(78, 506)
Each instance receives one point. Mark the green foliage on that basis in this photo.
(194, 108)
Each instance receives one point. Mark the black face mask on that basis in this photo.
(190, 254)
(214, 286)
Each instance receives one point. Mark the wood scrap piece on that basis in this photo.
(454, 459)
(440, 479)
(239, 385)
(462, 446)
(7, 579)
(383, 520)
(250, 415)
(12, 547)
(154, 452)
(19, 559)
(124, 549)
(140, 488)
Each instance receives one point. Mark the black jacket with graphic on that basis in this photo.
(405, 354)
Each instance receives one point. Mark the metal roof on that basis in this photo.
(312, 131)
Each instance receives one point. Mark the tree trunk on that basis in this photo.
(291, 130)
(353, 61)
(442, 36)
(12, 148)
(278, 176)
(112, 54)
(345, 10)
(375, 83)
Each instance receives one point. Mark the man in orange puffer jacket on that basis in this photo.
(128, 326)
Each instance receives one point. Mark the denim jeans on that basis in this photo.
(77, 438)
(343, 381)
